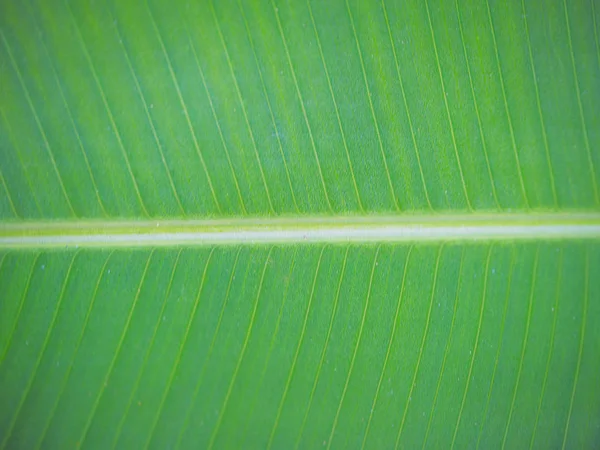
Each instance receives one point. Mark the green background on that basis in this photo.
(255, 109)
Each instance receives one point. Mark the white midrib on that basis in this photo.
(443, 227)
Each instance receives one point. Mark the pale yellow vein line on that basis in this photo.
(20, 308)
(389, 347)
(148, 116)
(241, 357)
(586, 299)
(184, 107)
(264, 88)
(4, 255)
(8, 433)
(446, 348)
(296, 353)
(18, 154)
(416, 371)
(539, 108)
(444, 95)
(75, 352)
(356, 347)
(500, 338)
(244, 112)
(116, 353)
(142, 368)
(337, 112)
(208, 354)
(525, 338)
(108, 110)
(272, 342)
(217, 123)
(372, 109)
(38, 123)
(312, 140)
(581, 115)
(188, 327)
(469, 374)
(324, 350)
(9, 197)
(69, 113)
(405, 101)
(484, 145)
(510, 126)
(551, 346)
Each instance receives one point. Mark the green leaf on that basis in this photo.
(299, 224)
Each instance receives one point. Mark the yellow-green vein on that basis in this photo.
(423, 339)
(296, 353)
(476, 346)
(175, 366)
(184, 107)
(142, 368)
(67, 375)
(215, 430)
(356, 347)
(389, 346)
(117, 351)
(310, 134)
(19, 308)
(586, 299)
(336, 108)
(38, 123)
(446, 348)
(108, 110)
(550, 346)
(324, 350)
(244, 112)
(274, 336)
(524, 347)
(208, 354)
(41, 353)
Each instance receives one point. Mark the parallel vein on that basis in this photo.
(109, 113)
